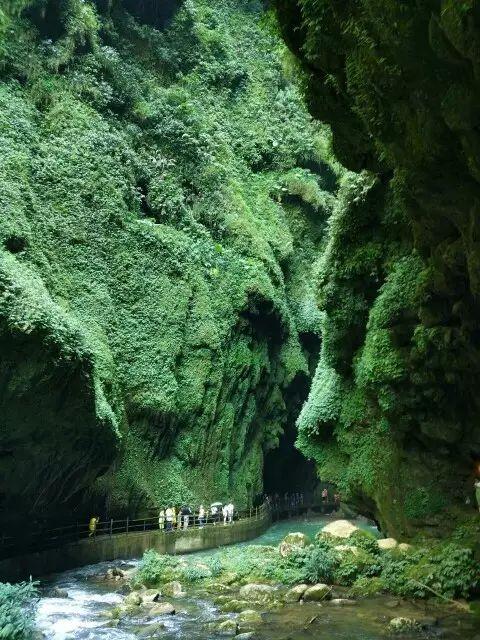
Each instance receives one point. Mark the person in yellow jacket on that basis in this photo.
(92, 526)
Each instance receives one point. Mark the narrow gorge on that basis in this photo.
(240, 258)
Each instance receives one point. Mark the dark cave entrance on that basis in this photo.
(285, 469)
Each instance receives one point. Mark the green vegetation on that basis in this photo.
(17, 610)
(164, 194)
(398, 281)
(446, 569)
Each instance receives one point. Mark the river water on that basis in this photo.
(81, 616)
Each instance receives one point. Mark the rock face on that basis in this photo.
(156, 311)
(340, 528)
(394, 401)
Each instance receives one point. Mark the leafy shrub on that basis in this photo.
(16, 610)
(216, 566)
(193, 573)
(155, 568)
(365, 540)
(423, 502)
(320, 565)
(353, 565)
(364, 587)
(447, 569)
(452, 572)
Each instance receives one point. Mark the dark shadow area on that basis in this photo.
(285, 469)
(156, 13)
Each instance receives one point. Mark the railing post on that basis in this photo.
(127, 525)
(111, 526)
(250, 512)
(144, 525)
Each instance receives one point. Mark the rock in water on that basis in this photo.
(402, 625)
(161, 609)
(296, 593)
(317, 593)
(343, 602)
(386, 544)
(249, 616)
(340, 528)
(173, 589)
(56, 592)
(257, 592)
(134, 599)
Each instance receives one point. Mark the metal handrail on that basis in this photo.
(58, 536)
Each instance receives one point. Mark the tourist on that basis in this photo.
(225, 513)
(185, 516)
(477, 492)
(161, 519)
(201, 516)
(230, 511)
(175, 517)
(92, 526)
(169, 513)
(213, 513)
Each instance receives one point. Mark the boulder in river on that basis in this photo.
(295, 594)
(56, 592)
(343, 602)
(317, 593)
(234, 606)
(114, 573)
(249, 616)
(340, 528)
(161, 609)
(133, 599)
(151, 630)
(173, 589)
(257, 592)
(229, 626)
(249, 635)
(403, 625)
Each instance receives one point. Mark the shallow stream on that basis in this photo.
(81, 616)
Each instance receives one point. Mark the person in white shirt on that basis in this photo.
(230, 510)
(214, 512)
(201, 516)
(169, 518)
(225, 513)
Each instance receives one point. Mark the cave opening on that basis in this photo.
(285, 469)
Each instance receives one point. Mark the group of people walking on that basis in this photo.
(181, 518)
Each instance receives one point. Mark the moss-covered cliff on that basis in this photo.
(393, 414)
(163, 196)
